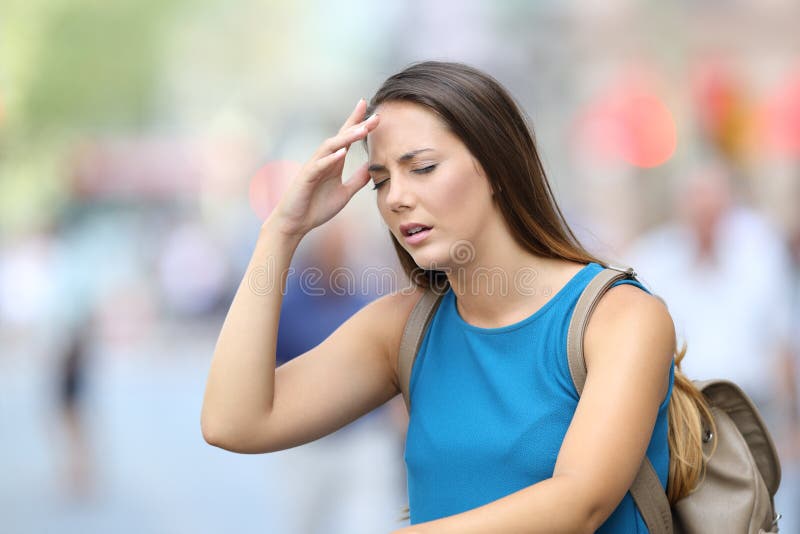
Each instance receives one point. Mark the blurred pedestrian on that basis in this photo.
(72, 370)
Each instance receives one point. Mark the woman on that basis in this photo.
(497, 439)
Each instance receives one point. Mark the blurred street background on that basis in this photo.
(143, 142)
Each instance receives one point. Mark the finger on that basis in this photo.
(356, 116)
(348, 136)
(326, 162)
(357, 180)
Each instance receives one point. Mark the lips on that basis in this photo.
(406, 228)
(417, 237)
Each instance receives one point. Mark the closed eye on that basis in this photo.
(423, 170)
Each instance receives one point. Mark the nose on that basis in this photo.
(400, 195)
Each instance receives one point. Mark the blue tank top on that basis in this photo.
(491, 406)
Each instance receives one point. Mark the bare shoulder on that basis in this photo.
(626, 316)
(387, 316)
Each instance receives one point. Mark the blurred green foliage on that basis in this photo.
(67, 68)
(95, 65)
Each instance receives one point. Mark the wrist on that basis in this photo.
(277, 228)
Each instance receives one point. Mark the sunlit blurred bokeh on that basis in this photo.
(142, 143)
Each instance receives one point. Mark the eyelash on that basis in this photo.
(424, 170)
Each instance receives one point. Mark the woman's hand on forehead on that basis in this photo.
(317, 193)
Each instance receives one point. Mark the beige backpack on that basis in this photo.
(741, 476)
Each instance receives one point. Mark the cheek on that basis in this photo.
(385, 214)
(465, 192)
(380, 204)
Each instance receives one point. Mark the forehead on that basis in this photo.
(405, 126)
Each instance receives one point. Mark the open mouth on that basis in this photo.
(416, 230)
(416, 235)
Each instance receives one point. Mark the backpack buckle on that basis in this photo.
(622, 268)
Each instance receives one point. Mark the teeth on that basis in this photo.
(415, 230)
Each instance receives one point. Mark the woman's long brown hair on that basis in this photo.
(690, 424)
(483, 115)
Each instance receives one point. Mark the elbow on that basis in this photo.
(585, 521)
(594, 520)
(589, 508)
(210, 427)
(212, 433)
(218, 432)
(225, 436)
(216, 426)
(222, 438)
(595, 515)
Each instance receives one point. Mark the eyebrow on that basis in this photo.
(402, 159)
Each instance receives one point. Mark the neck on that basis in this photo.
(501, 283)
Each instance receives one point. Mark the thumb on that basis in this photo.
(357, 180)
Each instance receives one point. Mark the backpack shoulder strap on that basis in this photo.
(731, 399)
(647, 492)
(412, 339)
(580, 318)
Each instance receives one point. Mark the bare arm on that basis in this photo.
(247, 406)
(241, 381)
(630, 339)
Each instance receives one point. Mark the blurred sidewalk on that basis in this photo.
(154, 472)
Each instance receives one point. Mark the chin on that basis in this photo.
(430, 261)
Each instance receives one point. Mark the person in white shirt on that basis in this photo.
(726, 274)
